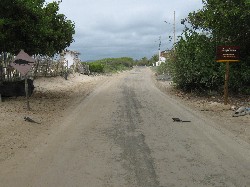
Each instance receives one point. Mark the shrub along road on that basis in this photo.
(123, 134)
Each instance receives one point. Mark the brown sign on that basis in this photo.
(228, 54)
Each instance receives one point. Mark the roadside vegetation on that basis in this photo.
(111, 65)
(191, 62)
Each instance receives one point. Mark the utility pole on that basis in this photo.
(159, 48)
(174, 28)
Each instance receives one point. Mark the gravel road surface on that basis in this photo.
(123, 134)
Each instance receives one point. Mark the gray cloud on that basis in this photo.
(115, 28)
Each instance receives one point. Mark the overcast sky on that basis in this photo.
(118, 28)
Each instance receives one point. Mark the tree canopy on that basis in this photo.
(227, 20)
(219, 22)
(34, 26)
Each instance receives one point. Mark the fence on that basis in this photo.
(44, 66)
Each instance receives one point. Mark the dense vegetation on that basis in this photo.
(34, 26)
(111, 65)
(147, 62)
(192, 61)
(193, 65)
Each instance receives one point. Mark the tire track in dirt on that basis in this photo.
(126, 133)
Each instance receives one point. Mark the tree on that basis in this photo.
(227, 20)
(193, 67)
(154, 59)
(223, 22)
(143, 62)
(34, 26)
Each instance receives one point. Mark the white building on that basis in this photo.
(162, 59)
(71, 58)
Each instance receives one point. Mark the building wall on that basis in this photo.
(70, 58)
(161, 60)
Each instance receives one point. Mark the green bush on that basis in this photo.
(96, 67)
(193, 67)
(193, 64)
(162, 69)
(111, 65)
(239, 79)
(227, 23)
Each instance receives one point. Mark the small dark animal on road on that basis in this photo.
(179, 120)
(30, 120)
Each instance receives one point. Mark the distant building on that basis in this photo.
(162, 58)
(71, 58)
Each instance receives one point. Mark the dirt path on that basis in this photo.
(123, 134)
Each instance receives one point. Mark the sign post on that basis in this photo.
(27, 93)
(226, 84)
(227, 54)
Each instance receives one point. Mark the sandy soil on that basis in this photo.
(214, 108)
(123, 134)
(54, 97)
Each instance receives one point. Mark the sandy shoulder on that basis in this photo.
(214, 109)
(52, 99)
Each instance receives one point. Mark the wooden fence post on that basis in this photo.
(27, 93)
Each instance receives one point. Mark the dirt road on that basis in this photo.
(123, 134)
